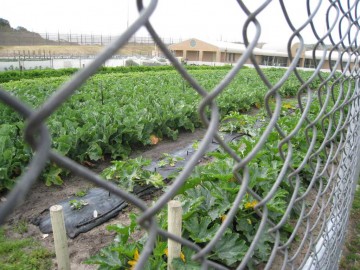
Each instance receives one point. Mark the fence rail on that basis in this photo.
(21, 38)
(323, 201)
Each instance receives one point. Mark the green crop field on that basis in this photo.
(115, 112)
(112, 113)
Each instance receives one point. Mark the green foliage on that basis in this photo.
(23, 253)
(15, 75)
(13, 154)
(81, 193)
(169, 160)
(123, 253)
(211, 189)
(208, 193)
(351, 257)
(128, 173)
(117, 110)
(77, 204)
(236, 122)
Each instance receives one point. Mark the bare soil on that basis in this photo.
(87, 244)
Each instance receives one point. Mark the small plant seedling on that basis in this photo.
(169, 160)
(77, 204)
(196, 144)
(81, 193)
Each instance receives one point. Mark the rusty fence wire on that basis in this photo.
(324, 202)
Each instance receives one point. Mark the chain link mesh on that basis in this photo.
(324, 202)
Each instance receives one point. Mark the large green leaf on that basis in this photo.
(191, 206)
(223, 200)
(188, 263)
(94, 151)
(179, 264)
(107, 259)
(230, 249)
(200, 228)
(123, 232)
(202, 192)
(263, 247)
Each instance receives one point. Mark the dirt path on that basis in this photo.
(86, 244)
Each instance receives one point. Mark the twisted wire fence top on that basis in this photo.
(322, 202)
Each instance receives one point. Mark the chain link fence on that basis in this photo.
(323, 202)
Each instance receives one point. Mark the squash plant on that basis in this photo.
(209, 192)
(114, 112)
(128, 173)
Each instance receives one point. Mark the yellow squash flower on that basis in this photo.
(133, 262)
(182, 256)
(251, 205)
(288, 106)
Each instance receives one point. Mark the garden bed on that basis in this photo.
(86, 244)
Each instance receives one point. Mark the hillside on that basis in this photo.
(21, 36)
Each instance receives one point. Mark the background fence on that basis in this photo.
(18, 38)
(323, 201)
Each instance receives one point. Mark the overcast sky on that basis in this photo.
(203, 19)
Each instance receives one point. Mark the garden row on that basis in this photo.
(210, 191)
(15, 75)
(112, 113)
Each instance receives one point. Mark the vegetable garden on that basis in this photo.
(113, 113)
(117, 112)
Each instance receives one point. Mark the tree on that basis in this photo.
(21, 29)
(4, 23)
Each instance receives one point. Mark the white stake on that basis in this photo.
(174, 227)
(60, 239)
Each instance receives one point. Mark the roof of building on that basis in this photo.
(319, 54)
(278, 47)
(232, 47)
(278, 50)
(228, 46)
(258, 51)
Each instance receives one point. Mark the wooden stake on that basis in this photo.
(174, 227)
(60, 239)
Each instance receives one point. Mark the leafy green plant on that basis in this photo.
(106, 118)
(124, 252)
(169, 160)
(241, 123)
(81, 193)
(209, 192)
(128, 173)
(77, 204)
(196, 144)
(46, 73)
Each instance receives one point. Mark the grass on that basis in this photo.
(21, 227)
(26, 254)
(351, 254)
